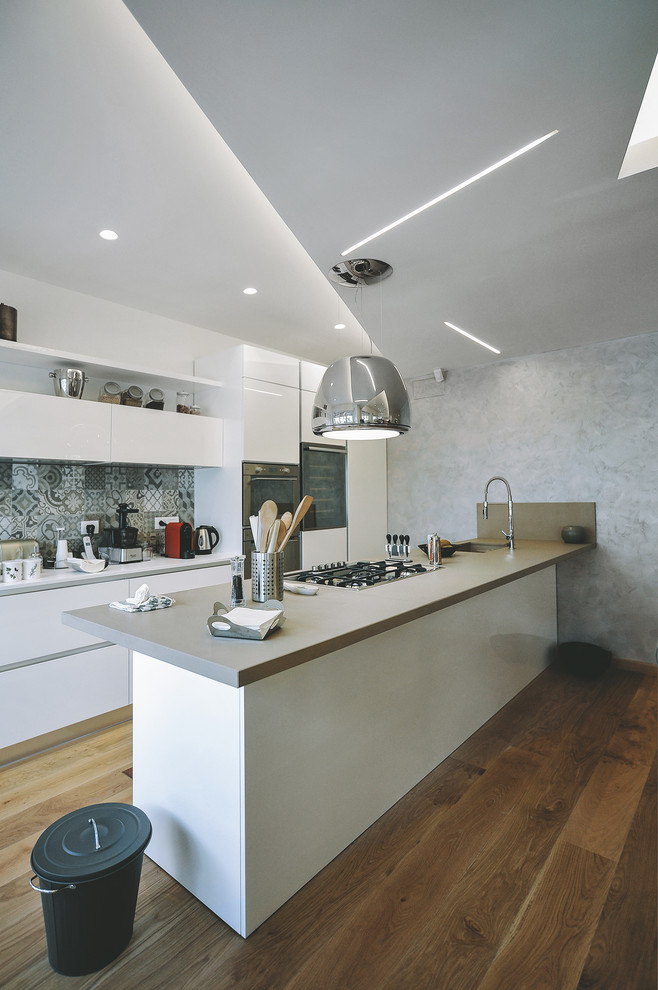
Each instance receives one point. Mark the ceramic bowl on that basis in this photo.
(574, 534)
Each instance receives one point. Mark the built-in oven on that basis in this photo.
(280, 483)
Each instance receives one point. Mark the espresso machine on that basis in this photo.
(119, 544)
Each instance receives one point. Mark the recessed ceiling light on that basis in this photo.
(471, 337)
(462, 185)
(250, 292)
(339, 326)
(108, 235)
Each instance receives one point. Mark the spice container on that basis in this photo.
(195, 410)
(132, 396)
(155, 399)
(182, 402)
(111, 392)
(32, 567)
(237, 581)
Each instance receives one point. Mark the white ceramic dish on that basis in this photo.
(88, 566)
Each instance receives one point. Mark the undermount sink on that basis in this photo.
(473, 546)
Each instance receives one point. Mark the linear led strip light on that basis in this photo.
(438, 199)
(470, 336)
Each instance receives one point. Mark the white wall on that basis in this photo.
(571, 425)
(49, 316)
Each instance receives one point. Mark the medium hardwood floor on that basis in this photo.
(526, 860)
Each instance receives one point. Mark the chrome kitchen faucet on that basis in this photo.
(509, 536)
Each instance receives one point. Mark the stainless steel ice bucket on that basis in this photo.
(69, 382)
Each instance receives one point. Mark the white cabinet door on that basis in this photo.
(50, 695)
(366, 499)
(268, 366)
(271, 422)
(323, 546)
(184, 580)
(153, 436)
(310, 375)
(31, 623)
(53, 427)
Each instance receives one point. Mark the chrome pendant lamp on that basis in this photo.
(362, 397)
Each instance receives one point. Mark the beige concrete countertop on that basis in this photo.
(315, 625)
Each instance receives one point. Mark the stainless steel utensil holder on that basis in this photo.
(267, 576)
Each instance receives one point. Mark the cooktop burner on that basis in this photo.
(360, 574)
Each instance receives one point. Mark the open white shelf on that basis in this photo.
(47, 359)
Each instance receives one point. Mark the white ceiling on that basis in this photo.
(346, 115)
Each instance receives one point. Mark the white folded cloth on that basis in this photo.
(143, 601)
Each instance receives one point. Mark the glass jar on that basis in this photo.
(155, 399)
(195, 410)
(111, 392)
(132, 396)
(182, 402)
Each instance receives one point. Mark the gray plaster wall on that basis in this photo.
(571, 425)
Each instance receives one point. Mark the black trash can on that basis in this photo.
(584, 659)
(88, 864)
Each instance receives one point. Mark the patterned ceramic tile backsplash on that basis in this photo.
(37, 498)
(570, 425)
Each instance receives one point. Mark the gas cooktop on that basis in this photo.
(358, 575)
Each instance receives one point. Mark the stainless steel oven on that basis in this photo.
(263, 481)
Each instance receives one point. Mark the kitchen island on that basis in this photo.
(258, 762)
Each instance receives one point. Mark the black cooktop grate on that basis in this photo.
(360, 574)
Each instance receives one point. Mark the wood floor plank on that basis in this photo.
(624, 949)
(45, 776)
(367, 947)
(460, 940)
(548, 945)
(472, 847)
(605, 810)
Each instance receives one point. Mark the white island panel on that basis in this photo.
(253, 790)
(187, 777)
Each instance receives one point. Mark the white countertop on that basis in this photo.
(315, 625)
(66, 577)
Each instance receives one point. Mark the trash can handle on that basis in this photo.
(97, 844)
(42, 890)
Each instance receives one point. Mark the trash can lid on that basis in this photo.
(90, 842)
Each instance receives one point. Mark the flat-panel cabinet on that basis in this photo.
(151, 436)
(32, 626)
(367, 504)
(49, 427)
(268, 366)
(271, 422)
(46, 696)
(323, 546)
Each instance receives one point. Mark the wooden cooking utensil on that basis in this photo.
(273, 536)
(300, 512)
(286, 519)
(266, 517)
(283, 529)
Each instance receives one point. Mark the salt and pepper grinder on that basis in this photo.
(237, 581)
